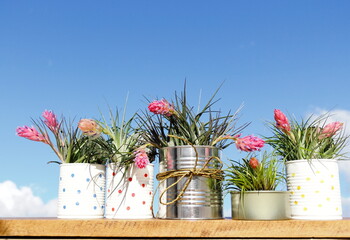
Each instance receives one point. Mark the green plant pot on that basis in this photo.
(260, 205)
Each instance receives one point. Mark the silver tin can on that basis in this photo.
(203, 197)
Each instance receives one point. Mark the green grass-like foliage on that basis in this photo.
(241, 176)
(70, 145)
(122, 138)
(305, 141)
(202, 128)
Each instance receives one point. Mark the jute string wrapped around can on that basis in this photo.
(190, 173)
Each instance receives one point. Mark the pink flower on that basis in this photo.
(254, 163)
(249, 143)
(141, 158)
(162, 107)
(32, 134)
(330, 129)
(89, 127)
(50, 120)
(281, 121)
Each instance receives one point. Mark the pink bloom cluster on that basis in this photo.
(141, 158)
(253, 162)
(162, 107)
(330, 129)
(249, 143)
(89, 127)
(281, 121)
(32, 134)
(50, 121)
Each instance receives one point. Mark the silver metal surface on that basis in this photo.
(203, 196)
(260, 205)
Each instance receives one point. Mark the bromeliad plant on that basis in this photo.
(310, 139)
(66, 141)
(252, 175)
(123, 144)
(176, 124)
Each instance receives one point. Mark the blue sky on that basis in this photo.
(74, 57)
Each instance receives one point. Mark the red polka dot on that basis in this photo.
(133, 194)
(143, 185)
(114, 174)
(150, 208)
(128, 208)
(146, 175)
(150, 193)
(109, 190)
(130, 179)
(113, 209)
(143, 202)
(120, 191)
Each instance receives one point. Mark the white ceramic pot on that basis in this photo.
(315, 189)
(260, 205)
(81, 191)
(129, 192)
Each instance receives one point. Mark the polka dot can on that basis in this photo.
(314, 189)
(81, 190)
(129, 192)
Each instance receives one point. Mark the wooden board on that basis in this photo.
(107, 228)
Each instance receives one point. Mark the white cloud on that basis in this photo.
(21, 202)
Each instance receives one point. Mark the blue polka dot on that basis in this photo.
(101, 188)
(64, 190)
(78, 191)
(100, 175)
(60, 178)
(94, 195)
(72, 175)
(77, 203)
(95, 207)
(64, 207)
(88, 179)
(102, 207)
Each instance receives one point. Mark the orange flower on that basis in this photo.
(254, 163)
(89, 127)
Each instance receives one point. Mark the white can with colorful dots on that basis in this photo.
(129, 191)
(314, 189)
(81, 190)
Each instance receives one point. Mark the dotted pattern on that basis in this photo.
(130, 193)
(314, 189)
(81, 191)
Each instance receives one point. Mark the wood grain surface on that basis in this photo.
(108, 228)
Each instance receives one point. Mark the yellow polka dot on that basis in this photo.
(305, 208)
(298, 187)
(308, 179)
(328, 199)
(332, 187)
(317, 191)
(318, 172)
(337, 209)
(293, 174)
(319, 205)
(292, 193)
(302, 195)
(296, 202)
(322, 181)
(332, 176)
